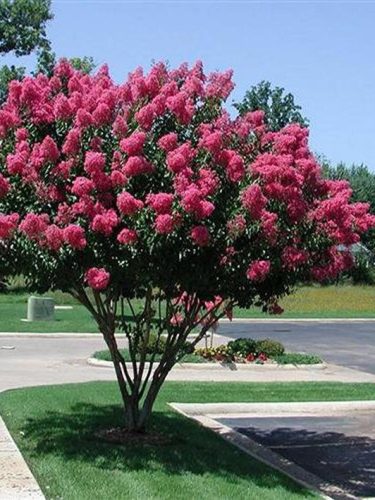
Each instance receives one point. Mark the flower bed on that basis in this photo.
(255, 351)
(241, 351)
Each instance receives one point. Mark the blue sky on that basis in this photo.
(322, 52)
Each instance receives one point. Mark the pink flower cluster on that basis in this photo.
(8, 224)
(258, 270)
(97, 278)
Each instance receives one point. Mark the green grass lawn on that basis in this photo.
(306, 302)
(54, 427)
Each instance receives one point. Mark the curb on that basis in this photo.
(16, 479)
(218, 366)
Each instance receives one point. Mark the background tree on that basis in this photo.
(23, 25)
(279, 108)
(148, 192)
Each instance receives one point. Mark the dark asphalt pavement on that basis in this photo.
(351, 344)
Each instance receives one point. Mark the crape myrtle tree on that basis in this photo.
(150, 191)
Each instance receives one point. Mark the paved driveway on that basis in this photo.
(351, 344)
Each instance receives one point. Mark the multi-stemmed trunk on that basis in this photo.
(140, 379)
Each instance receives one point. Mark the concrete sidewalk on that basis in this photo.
(16, 479)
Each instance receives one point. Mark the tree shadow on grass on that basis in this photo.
(190, 449)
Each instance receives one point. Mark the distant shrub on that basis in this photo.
(242, 347)
(270, 348)
(156, 344)
(363, 272)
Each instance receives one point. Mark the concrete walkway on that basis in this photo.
(16, 479)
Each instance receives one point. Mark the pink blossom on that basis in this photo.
(227, 258)
(82, 186)
(254, 201)
(220, 85)
(34, 225)
(62, 109)
(164, 224)
(137, 165)
(292, 258)
(332, 264)
(16, 163)
(94, 162)
(74, 236)
(127, 236)
(83, 119)
(133, 145)
(72, 142)
(181, 106)
(22, 134)
(193, 203)
(119, 127)
(145, 116)
(179, 159)
(97, 278)
(258, 270)
(102, 114)
(160, 202)
(127, 204)
(235, 168)
(205, 209)
(269, 226)
(168, 142)
(176, 162)
(200, 235)
(105, 223)
(8, 224)
(49, 150)
(212, 142)
(117, 178)
(63, 169)
(177, 319)
(53, 237)
(159, 104)
(208, 181)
